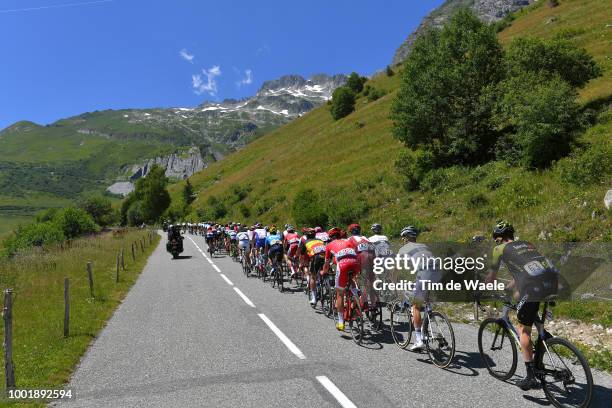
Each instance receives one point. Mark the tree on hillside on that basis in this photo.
(551, 58)
(188, 193)
(74, 222)
(342, 103)
(149, 199)
(100, 208)
(389, 71)
(464, 101)
(152, 193)
(541, 117)
(444, 104)
(355, 82)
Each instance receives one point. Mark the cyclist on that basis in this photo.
(321, 234)
(426, 272)
(533, 276)
(366, 253)
(210, 234)
(342, 253)
(380, 242)
(244, 244)
(291, 243)
(309, 248)
(274, 248)
(259, 240)
(232, 234)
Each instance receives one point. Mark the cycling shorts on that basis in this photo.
(293, 251)
(345, 266)
(260, 243)
(527, 312)
(316, 263)
(244, 245)
(275, 252)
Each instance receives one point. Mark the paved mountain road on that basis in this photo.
(195, 332)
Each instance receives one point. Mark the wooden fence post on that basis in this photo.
(133, 255)
(141, 245)
(9, 370)
(122, 260)
(66, 307)
(117, 270)
(90, 276)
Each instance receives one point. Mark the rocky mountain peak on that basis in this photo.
(487, 10)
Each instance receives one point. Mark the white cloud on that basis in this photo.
(263, 50)
(186, 55)
(209, 85)
(247, 80)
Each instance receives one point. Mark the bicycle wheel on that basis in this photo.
(567, 378)
(439, 339)
(330, 303)
(401, 323)
(272, 276)
(281, 279)
(324, 294)
(374, 315)
(355, 319)
(497, 348)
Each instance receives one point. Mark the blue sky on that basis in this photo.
(61, 58)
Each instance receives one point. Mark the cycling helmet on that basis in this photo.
(273, 230)
(290, 228)
(309, 232)
(286, 226)
(335, 233)
(318, 229)
(503, 229)
(376, 228)
(409, 231)
(354, 229)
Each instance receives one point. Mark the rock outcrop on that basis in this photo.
(487, 10)
(178, 165)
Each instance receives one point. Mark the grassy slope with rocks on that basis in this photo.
(354, 157)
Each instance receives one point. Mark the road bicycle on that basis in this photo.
(437, 331)
(276, 274)
(234, 251)
(560, 367)
(329, 305)
(211, 248)
(260, 266)
(246, 265)
(353, 313)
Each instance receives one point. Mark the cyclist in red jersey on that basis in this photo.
(343, 254)
(291, 242)
(366, 254)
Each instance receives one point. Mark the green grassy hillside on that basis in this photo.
(350, 162)
(43, 167)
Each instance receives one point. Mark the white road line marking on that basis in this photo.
(290, 345)
(229, 282)
(335, 391)
(216, 267)
(243, 296)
